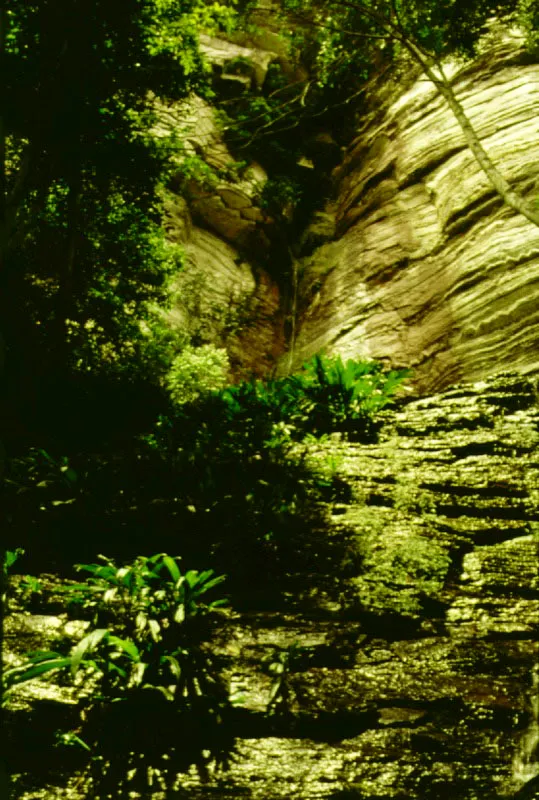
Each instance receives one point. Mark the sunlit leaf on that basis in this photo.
(86, 645)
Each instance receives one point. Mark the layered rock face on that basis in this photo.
(428, 268)
(224, 293)
(417, 262)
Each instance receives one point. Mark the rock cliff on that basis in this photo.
(416, 261)
(428, 268)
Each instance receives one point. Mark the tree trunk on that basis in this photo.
(511, 198)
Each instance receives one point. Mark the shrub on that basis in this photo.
(338, 396)
(155, 674)
(328, 395)
(153, 688)
(231, 461)
(196, 371)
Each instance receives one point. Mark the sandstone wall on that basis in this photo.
(428, 268)
(224, 293)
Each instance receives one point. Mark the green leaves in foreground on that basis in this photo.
(146, 669)
(37, 665)
(145, 593)
(150, 663)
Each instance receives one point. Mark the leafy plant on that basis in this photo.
(149, 672)
(151, 652)
(196, 371)
(279, 665)
(235, 455)
(31, 587)
(194, 170)
(279, 195)
(36, 666)
(346, 396)
(10, 557)
(328, 395)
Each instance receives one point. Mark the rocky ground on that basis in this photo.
(409, 650)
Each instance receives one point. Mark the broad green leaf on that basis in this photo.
(174, 665)
(140, 621)
(110, 595)
(163, 689)
(211, 583)
(86, 645)
(138, 673)
(27, 672)
(115, 668)
(172, 567)
(127, 646)
(69, 474)
(218, 603)
(35, 656)
(123, 575)
(155, 629)
(70, 738)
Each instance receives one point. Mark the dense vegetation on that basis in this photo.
(221, 480)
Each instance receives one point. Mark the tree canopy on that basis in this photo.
(83, 251)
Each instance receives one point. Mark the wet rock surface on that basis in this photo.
(411, 674)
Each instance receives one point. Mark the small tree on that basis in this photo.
(360, 37)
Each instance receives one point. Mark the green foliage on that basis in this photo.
(86, 258)
(326, 396)
(280, 194)
(30, 587)
(279, 665)
(149, 669)
(194, 169)
(528, 17)
(270, 125)
(339, 47)
(231, 461)
(255, 122)
(149, 588)
(151, 659)
(50, 480)
(36, 666)
(196, 371)
(346, 397)
(10, 557)
(335, 29)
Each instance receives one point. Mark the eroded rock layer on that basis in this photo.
(429, 268)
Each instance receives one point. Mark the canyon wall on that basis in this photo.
(416, 261)
(428, 268)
